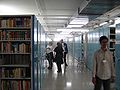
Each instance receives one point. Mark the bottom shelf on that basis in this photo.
(15, 85)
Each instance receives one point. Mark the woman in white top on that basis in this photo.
(49, 54)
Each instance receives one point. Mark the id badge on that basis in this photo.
(104, 61)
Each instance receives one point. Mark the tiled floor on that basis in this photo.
(72, 77)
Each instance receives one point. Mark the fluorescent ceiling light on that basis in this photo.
(68, 30)
(80, 20)
(74, 25)
(103, 23)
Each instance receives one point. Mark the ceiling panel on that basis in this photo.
(98, 7)
(62, 4)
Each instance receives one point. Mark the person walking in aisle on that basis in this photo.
(59, 56)
(49, 54)
(103, 66)
(65, 48)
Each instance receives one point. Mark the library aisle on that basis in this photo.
(73, 77)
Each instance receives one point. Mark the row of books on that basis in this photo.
(15, 35)
(15, 59)
(15, 85)
(15, 22)
(18, 47)
(13, 72)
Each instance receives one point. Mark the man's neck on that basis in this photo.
(104, 49)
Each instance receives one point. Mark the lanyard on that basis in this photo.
(103, 55)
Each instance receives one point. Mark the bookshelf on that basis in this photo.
(17, 52)
(112, 36)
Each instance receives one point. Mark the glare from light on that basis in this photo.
(70, 39)
(77, 38)
(68, 84)
(95, 36)
(117, 31)
(35, 34)
(90, 36)
(60, 36)
(42, 37)
(7, 10)
(48, 39)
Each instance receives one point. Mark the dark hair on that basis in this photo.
(58, 43)
(102, 38)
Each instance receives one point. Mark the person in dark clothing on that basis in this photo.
(59, 56)
(65, 48)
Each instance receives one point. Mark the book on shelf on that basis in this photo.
(15, 22)
(16, 85)
(15, 73)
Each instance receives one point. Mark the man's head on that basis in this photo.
(102, 38)
(50, 43)
(103, 41)
(61, 40)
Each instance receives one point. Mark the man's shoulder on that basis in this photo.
(97, 51)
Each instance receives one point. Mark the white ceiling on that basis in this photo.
(19, 6)
(53, 14)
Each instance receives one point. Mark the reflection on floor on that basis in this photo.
(73, 77)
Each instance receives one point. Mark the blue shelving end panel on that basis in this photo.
(117, 67)
(38, 48)
(117, 46)
(34, 41)
(117, 57)
(77, 47)
(117, 51)
(93, 45)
